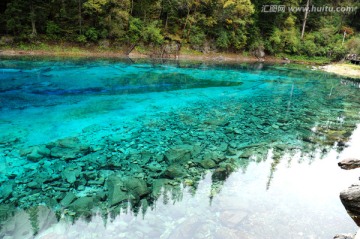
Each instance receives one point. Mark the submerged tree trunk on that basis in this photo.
(305, 19)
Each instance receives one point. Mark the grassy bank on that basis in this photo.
(71, 50)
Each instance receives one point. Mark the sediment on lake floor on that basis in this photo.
(109, 168)
(75, 174)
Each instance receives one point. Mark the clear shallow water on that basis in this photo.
(198, 150)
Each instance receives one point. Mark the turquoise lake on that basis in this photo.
(120, 148)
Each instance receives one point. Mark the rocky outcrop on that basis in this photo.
(171, 48)
(350, 198)
(259, 52)
(350, 163)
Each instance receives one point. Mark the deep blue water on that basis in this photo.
(147, 149)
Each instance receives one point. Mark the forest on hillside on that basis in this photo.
(201, 25)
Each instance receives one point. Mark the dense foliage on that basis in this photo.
(203, 25)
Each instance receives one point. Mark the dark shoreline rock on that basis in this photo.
(350, 198)
(350, 163)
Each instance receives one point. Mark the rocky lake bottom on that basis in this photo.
(138, 149)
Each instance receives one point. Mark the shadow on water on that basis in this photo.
(129, 170)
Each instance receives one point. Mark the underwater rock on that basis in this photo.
(43, 150)
(6, 211)
(71, 173)
(8, 139)
(97, 158)
(247, 153)
(217, 122)
(231, 151)
(33, 185)
(350, 198)
(179, 153)
(154, 167)
(70, 142)
(174, 171)
(350, 163)
(82, 205)
(97, 182)
(145, 157)
(116, 194)
(64, 153)
(35, 153)
(68, 148)
(68, 199)
(223, 147)
(119, 138)
(34, 156)
(158, 185)
(137, 187)
(207, 163)
(220, 174)
(6, 190)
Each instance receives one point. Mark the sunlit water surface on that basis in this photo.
(218, 150)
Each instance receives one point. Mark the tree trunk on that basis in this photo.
(131, 48)
(132, 7)
(305, 19)
(186, 20)
(166, 22)
(33, 21)
(63, 7)
(80, 16)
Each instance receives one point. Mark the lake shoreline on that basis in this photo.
(227, 57)
(196, 56)
(340, 69)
